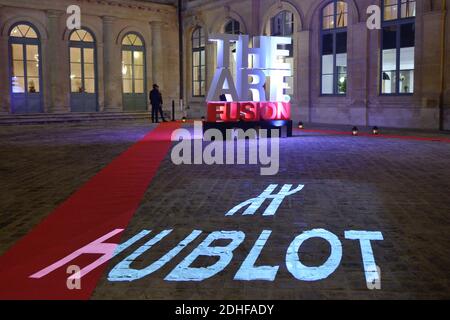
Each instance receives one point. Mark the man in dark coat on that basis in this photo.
(156, 101)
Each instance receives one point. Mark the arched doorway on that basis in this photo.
(133, 73)
(25, 69)
(83, 72)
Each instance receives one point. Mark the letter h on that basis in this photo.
(255, 203)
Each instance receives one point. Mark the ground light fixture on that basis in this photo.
(203, 119)
(375, 131)
(301, 125)
(355, 131)
(184, 119)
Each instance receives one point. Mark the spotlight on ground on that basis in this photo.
(184, 119)
(203, 119)
(355, 131)
(375, 131)
(300, 125)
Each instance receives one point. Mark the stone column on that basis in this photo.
(100, 77)
(358, 73)
(57, 89)
(5, 97)
(149, 62)
(157, 53)
(254, 29)
(428, 69)
(112, 66)
(303, 71)
(211, 63)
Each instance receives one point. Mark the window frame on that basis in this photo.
(283, 32)
(24, 41)
(233, 23)
(333, 32)
(84, 45)
(202, 64)
(133, 49)
(397, 23)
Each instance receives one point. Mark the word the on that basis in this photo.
(218, 152)
(248, 111)
(268, 61)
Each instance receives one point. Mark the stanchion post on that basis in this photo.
(173, 110)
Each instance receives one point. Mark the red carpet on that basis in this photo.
(105, 203)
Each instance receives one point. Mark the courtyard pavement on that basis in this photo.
(395, 186)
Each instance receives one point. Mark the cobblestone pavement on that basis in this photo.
(398, 187)
(41, 166)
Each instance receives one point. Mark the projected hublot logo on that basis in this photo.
(187, 270)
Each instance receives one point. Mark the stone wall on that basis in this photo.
(363, 104)
(109, 21)
(157, 23)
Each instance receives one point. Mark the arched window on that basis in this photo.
(198, 63)
(133, 73)
(233, 27)
(282, 25)
(83, 73)
(398, 47)
(25, 69)
(334, 48)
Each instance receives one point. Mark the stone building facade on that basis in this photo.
(363, 103)
(343, 72)
(109, 23)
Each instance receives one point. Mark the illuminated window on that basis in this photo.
(282, 25)
(82, 62)
(398, 47)
(334, 48)
(133, 64)
(198, 63)
(395, 9)
(25, 62)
